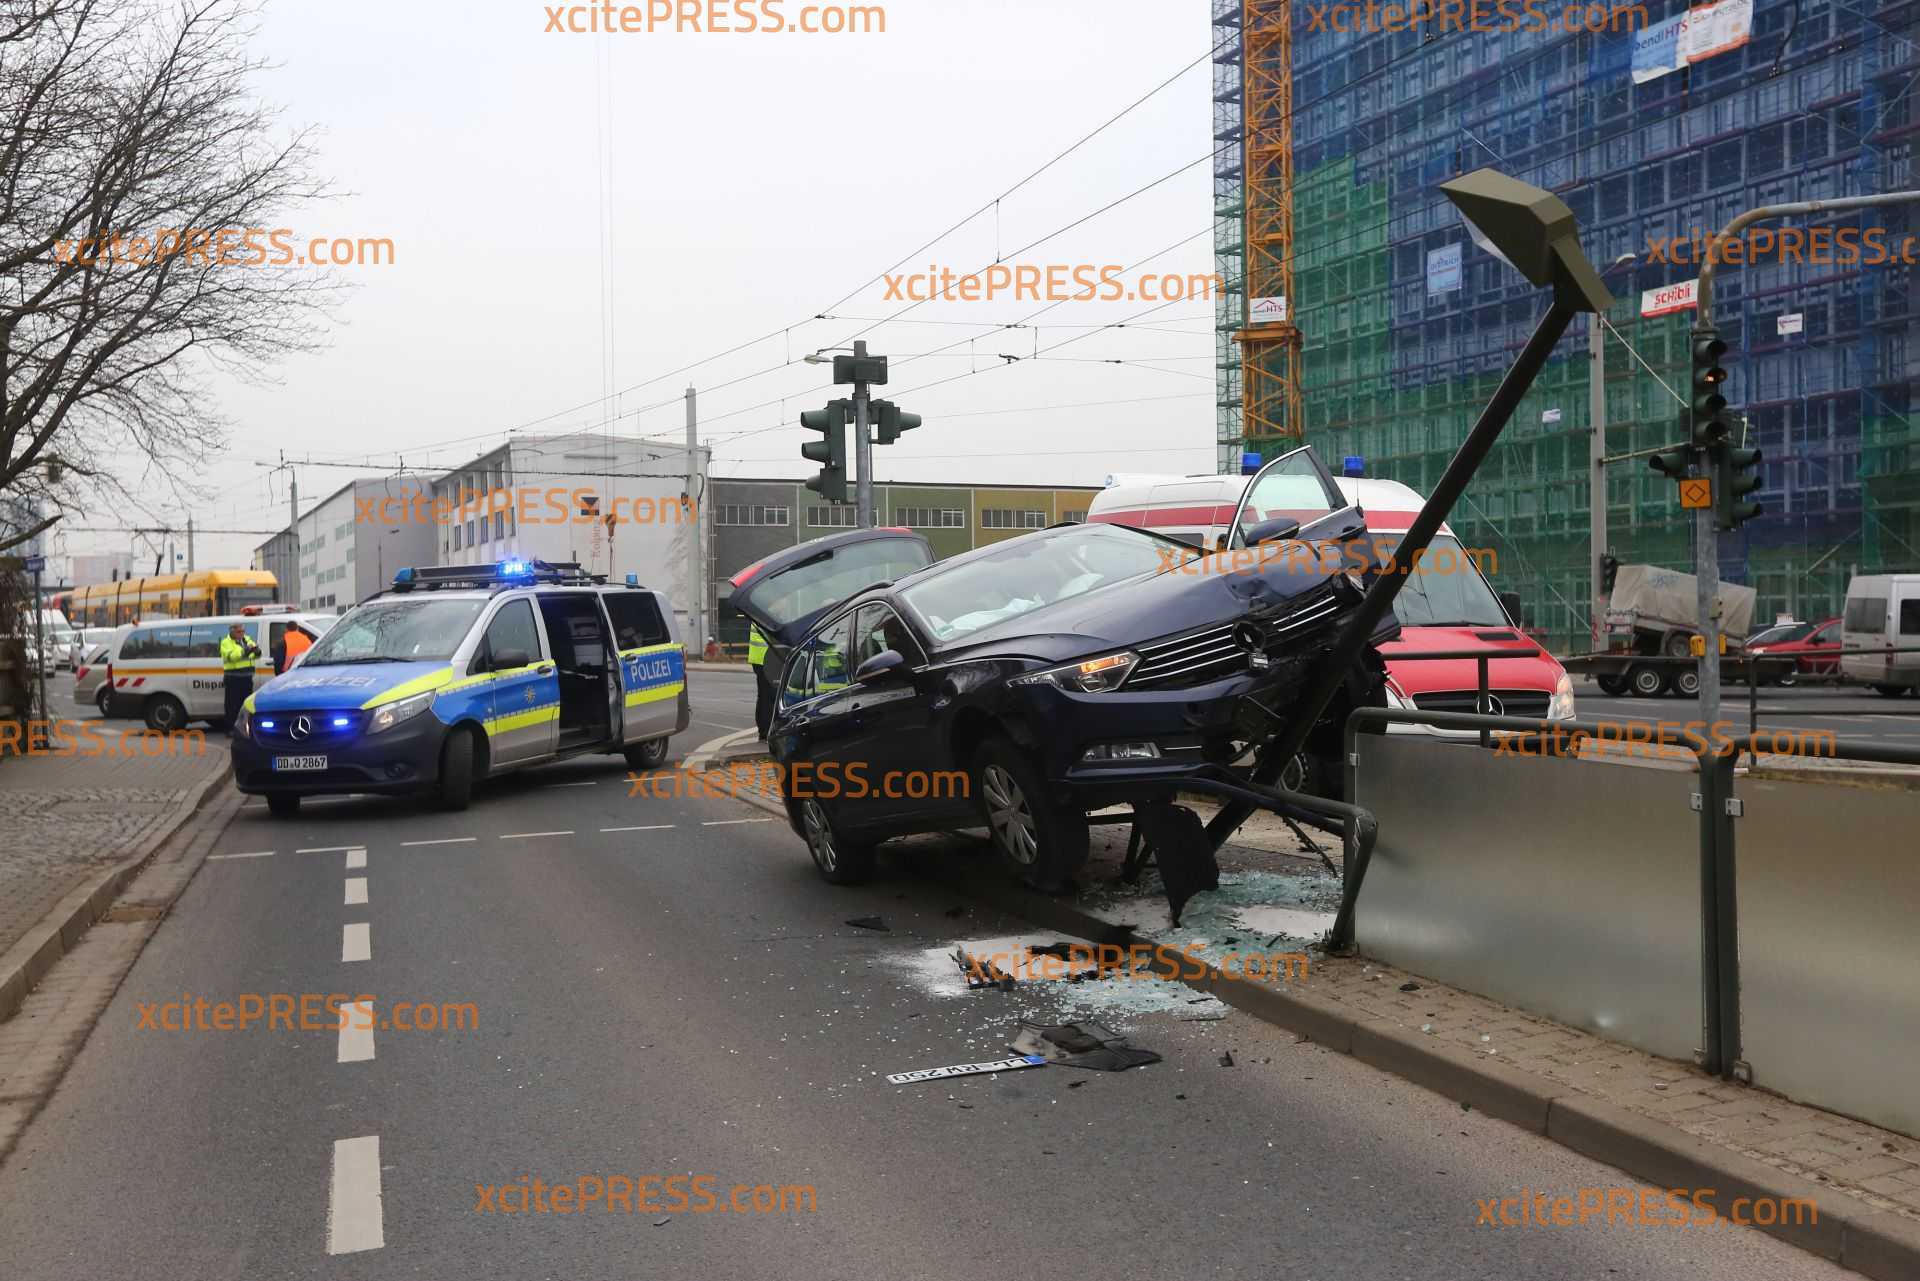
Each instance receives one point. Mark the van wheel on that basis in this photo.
(1685, 682)
(104, 701)
(1613, 685)
(1891, 691)
(838, 858)
(456, 771)
(651, 754)
(282, 804)
(1646, 680)
(164, 713)
(1041, 843)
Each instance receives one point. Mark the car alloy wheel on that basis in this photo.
(819, 836)
(1009, 816)
(839, 859)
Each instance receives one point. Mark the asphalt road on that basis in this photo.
(664, 987)
(1848, 712)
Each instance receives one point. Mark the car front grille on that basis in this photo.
(1210, 654)
(320, 733)
(1513, 702)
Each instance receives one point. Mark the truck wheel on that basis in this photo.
(1041, 843)
(1610, 684)
(165, 713)
(1646, 680)
(838, 858)
(1677, 645)
(283, 804)
(456, 771)
(1891, 691)
(1685, 682)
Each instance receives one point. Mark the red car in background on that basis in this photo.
(1816, 647)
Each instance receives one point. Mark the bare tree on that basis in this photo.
(129, 140)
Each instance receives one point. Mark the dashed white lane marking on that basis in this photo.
(330, 849)
(730, 822)
(356, 1032)
(655, 827)
(356, 890)
(356, 942)
(589, 783)
(354, 1218)
(356, 858)
(255, 854)
(449, 840)
(515, 836)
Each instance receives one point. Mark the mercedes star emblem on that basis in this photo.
(301, 728)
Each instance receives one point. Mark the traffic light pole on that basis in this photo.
(1707, 553)
(862, 449)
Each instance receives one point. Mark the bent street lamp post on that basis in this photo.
(1533, 231)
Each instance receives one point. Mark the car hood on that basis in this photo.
(1142, 610)
(339, 688)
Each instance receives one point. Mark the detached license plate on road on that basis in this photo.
(299, 762)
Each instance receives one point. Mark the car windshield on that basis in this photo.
(1446, 589)
(1781, 633)
(1029, 572)
(396, 631)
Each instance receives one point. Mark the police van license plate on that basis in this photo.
(299, 762)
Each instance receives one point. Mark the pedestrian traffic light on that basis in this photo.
(889, 421)
(1708, 403)
(1736, 473)
(831, 482)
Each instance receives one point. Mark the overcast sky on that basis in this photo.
(752, 181)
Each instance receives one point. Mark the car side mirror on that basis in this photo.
(1510, 602)
(1269, 530)
(878, 668)
(503, 659)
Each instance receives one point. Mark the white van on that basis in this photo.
(1883, 610)
(167, 672)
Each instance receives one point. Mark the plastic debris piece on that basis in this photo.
(1081, 1045)
(981, 972)
(870, 923)
(1226, 1060)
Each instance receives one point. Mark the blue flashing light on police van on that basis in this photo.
(341, 722)
(1353, 465)
(403, 575)
(266, 724)
(633, 580)
(514, 569)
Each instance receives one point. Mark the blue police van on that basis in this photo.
(457, 673)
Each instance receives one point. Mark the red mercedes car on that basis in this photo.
(1815, 645)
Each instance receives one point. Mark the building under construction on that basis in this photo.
(1391, 327)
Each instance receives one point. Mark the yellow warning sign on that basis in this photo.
(1696, 491)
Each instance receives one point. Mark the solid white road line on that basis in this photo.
(730, 822)
(656, 827)
(356, 1032)
(515, 836)
(356, 942)
(354, 1219)
(356, 890)
(450, 840)
(589, 783)
(255, 854)
(330, 849)
(356, 858)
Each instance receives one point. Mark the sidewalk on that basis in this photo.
(71, 821)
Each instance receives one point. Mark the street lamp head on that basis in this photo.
(1531, 231)
(815, 358)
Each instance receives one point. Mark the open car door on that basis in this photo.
(1295, 486)
(785, 594)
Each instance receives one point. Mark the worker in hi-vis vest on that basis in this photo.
(238, 654)
(762, 683)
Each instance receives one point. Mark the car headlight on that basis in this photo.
(243, 724)
(1089, 676)
(394, 713)
(1560, 706)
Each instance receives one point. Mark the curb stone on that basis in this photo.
(27, 962)
(1862, 1239)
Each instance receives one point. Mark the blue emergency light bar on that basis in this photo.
(507, 573)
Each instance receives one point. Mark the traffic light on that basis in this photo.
(889, 421)
(1609, 570)
(860, 368)
(1708, 403)
(1736, 473)
(1675, 463)
(831, 482)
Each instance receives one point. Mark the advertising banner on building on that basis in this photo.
(1266, 311)
(1443, 269)
(1669, 298)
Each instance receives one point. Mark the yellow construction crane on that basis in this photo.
(1270, 342)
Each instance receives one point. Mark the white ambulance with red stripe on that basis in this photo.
(1446, 604)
